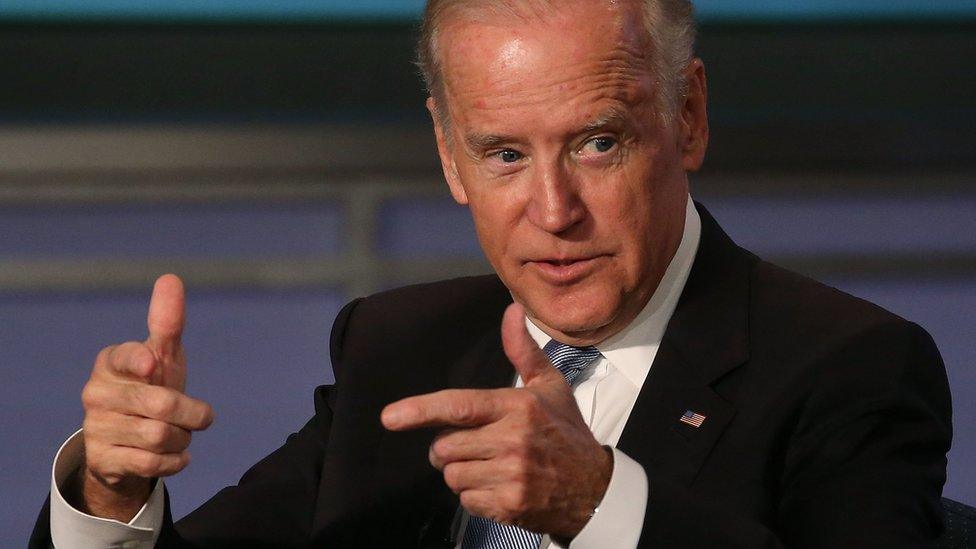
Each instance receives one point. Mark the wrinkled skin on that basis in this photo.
(550, 133)
(138, 422)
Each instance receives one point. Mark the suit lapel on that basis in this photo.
(382, 491)
(654, 435)
(706, 338)
(485, 367)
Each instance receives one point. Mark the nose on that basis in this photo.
(555, 205)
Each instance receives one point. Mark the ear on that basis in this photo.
(445, 151)
(693, 120)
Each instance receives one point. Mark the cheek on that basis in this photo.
(630, 219)
(494, 224)
(618, 210)
(634, 247)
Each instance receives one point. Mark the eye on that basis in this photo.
(509, 156)
(599, 145)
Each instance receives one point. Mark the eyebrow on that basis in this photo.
(611, 116)
(479, 141)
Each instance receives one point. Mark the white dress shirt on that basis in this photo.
(605, 392)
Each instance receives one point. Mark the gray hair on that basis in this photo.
(670, 26)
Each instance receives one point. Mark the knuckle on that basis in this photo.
(147, 464)
(515, 502)
(441, 449)
(103, 356)
(121, 351)
(178, 439)
(140, 358)
(519, 445)
(129, 346)
(130, 357)
(469, 502)
(154, 434)
(452, 476)
(142, 355)
(91, 396)
(503, 515)
(161, 404)
(478, 505)
(519, 472)
(532, 403)
(525, 403)
(91, 428)
(177, 465)
(462, 410)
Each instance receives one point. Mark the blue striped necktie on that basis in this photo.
(482, 533)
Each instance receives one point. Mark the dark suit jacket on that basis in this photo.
(828, 421)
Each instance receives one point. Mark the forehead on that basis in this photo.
(574, 56)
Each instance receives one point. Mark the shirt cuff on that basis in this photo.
(619, 519)
(71, 529)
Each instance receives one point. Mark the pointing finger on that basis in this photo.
(167, 315)
(523, 352)
(448, 408)
(171, 406)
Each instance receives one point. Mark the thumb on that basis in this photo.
(167, 315)
(522, 351)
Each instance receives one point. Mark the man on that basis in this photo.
(700, 396)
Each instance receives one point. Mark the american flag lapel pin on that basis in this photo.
(692, 418)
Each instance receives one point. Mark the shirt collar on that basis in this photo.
(632, 349)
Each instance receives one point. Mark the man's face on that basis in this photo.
(577, 190)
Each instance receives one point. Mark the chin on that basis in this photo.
(572, 310)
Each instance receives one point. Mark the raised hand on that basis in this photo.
(137, 419)
(517, 456)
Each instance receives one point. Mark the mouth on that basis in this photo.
(564, 270)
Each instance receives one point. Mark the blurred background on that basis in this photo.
(277, 156)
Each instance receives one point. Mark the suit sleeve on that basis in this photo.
(274, 500)
(273, 503)
(864, 464)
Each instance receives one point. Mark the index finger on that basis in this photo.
(447, 408)
(128, 360)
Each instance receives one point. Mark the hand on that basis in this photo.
(517, 456)
(137, 419)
